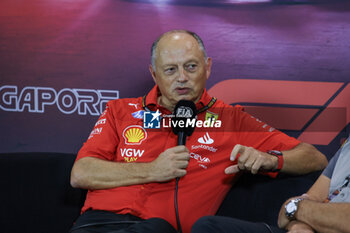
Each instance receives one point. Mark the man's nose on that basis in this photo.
(182, 75)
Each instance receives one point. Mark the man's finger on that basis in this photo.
(232, 169)
(181, 172)
(182, 156)
(249, 162)
(237, 149)
(178, 149)
(182, 164)
(256, 166)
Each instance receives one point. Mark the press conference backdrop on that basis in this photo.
(287, 62)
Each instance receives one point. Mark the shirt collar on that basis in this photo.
(152, 96)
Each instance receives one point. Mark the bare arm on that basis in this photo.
(94, 173)
(325, 217)
(299, 227)
(302, 159)
(322, 217)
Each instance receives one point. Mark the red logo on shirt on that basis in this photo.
(134, 135)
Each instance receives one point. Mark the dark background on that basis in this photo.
(105, 45)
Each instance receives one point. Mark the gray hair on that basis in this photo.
(155, 44)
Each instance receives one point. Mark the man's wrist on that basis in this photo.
(279, 162)
(297, 225)
(291, 208)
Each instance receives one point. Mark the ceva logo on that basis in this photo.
(318, 110)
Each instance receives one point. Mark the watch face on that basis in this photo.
(291, 207)
(275, 152)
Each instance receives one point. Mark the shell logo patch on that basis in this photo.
(134, 135)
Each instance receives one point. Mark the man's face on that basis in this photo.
(181, 70)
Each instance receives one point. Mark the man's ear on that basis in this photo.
(153, 73)
(208, 64)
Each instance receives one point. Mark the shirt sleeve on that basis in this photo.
(252, 132)
(259, 135)
(328, 171)
(103, 139)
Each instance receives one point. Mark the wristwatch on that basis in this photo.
(292, 207)
(279, 156)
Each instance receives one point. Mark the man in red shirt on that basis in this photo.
(130, 169)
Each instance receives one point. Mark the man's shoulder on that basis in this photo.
(230, 107)
(122, 107)
(134, 103)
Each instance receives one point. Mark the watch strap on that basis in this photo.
(280, 160)
(296, 201)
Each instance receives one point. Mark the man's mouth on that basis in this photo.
(182, 90)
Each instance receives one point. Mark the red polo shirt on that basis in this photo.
(119, 136)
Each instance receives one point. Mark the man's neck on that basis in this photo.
(169, 106)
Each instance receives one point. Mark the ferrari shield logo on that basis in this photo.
(211, 116)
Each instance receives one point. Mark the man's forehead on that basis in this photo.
(177, 43)
(176, 36)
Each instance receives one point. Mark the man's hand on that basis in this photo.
(251, 160)
(299, 227)
(170, 164)
(95, 173)
(283, 221)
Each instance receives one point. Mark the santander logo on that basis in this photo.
(206, 139)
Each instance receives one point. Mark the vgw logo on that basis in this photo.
(131, 155)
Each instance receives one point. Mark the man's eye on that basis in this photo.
(191, 67)
(169, 70)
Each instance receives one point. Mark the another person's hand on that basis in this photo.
(299, 227)
(283, 221)
(170, 164)
(251, 160)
